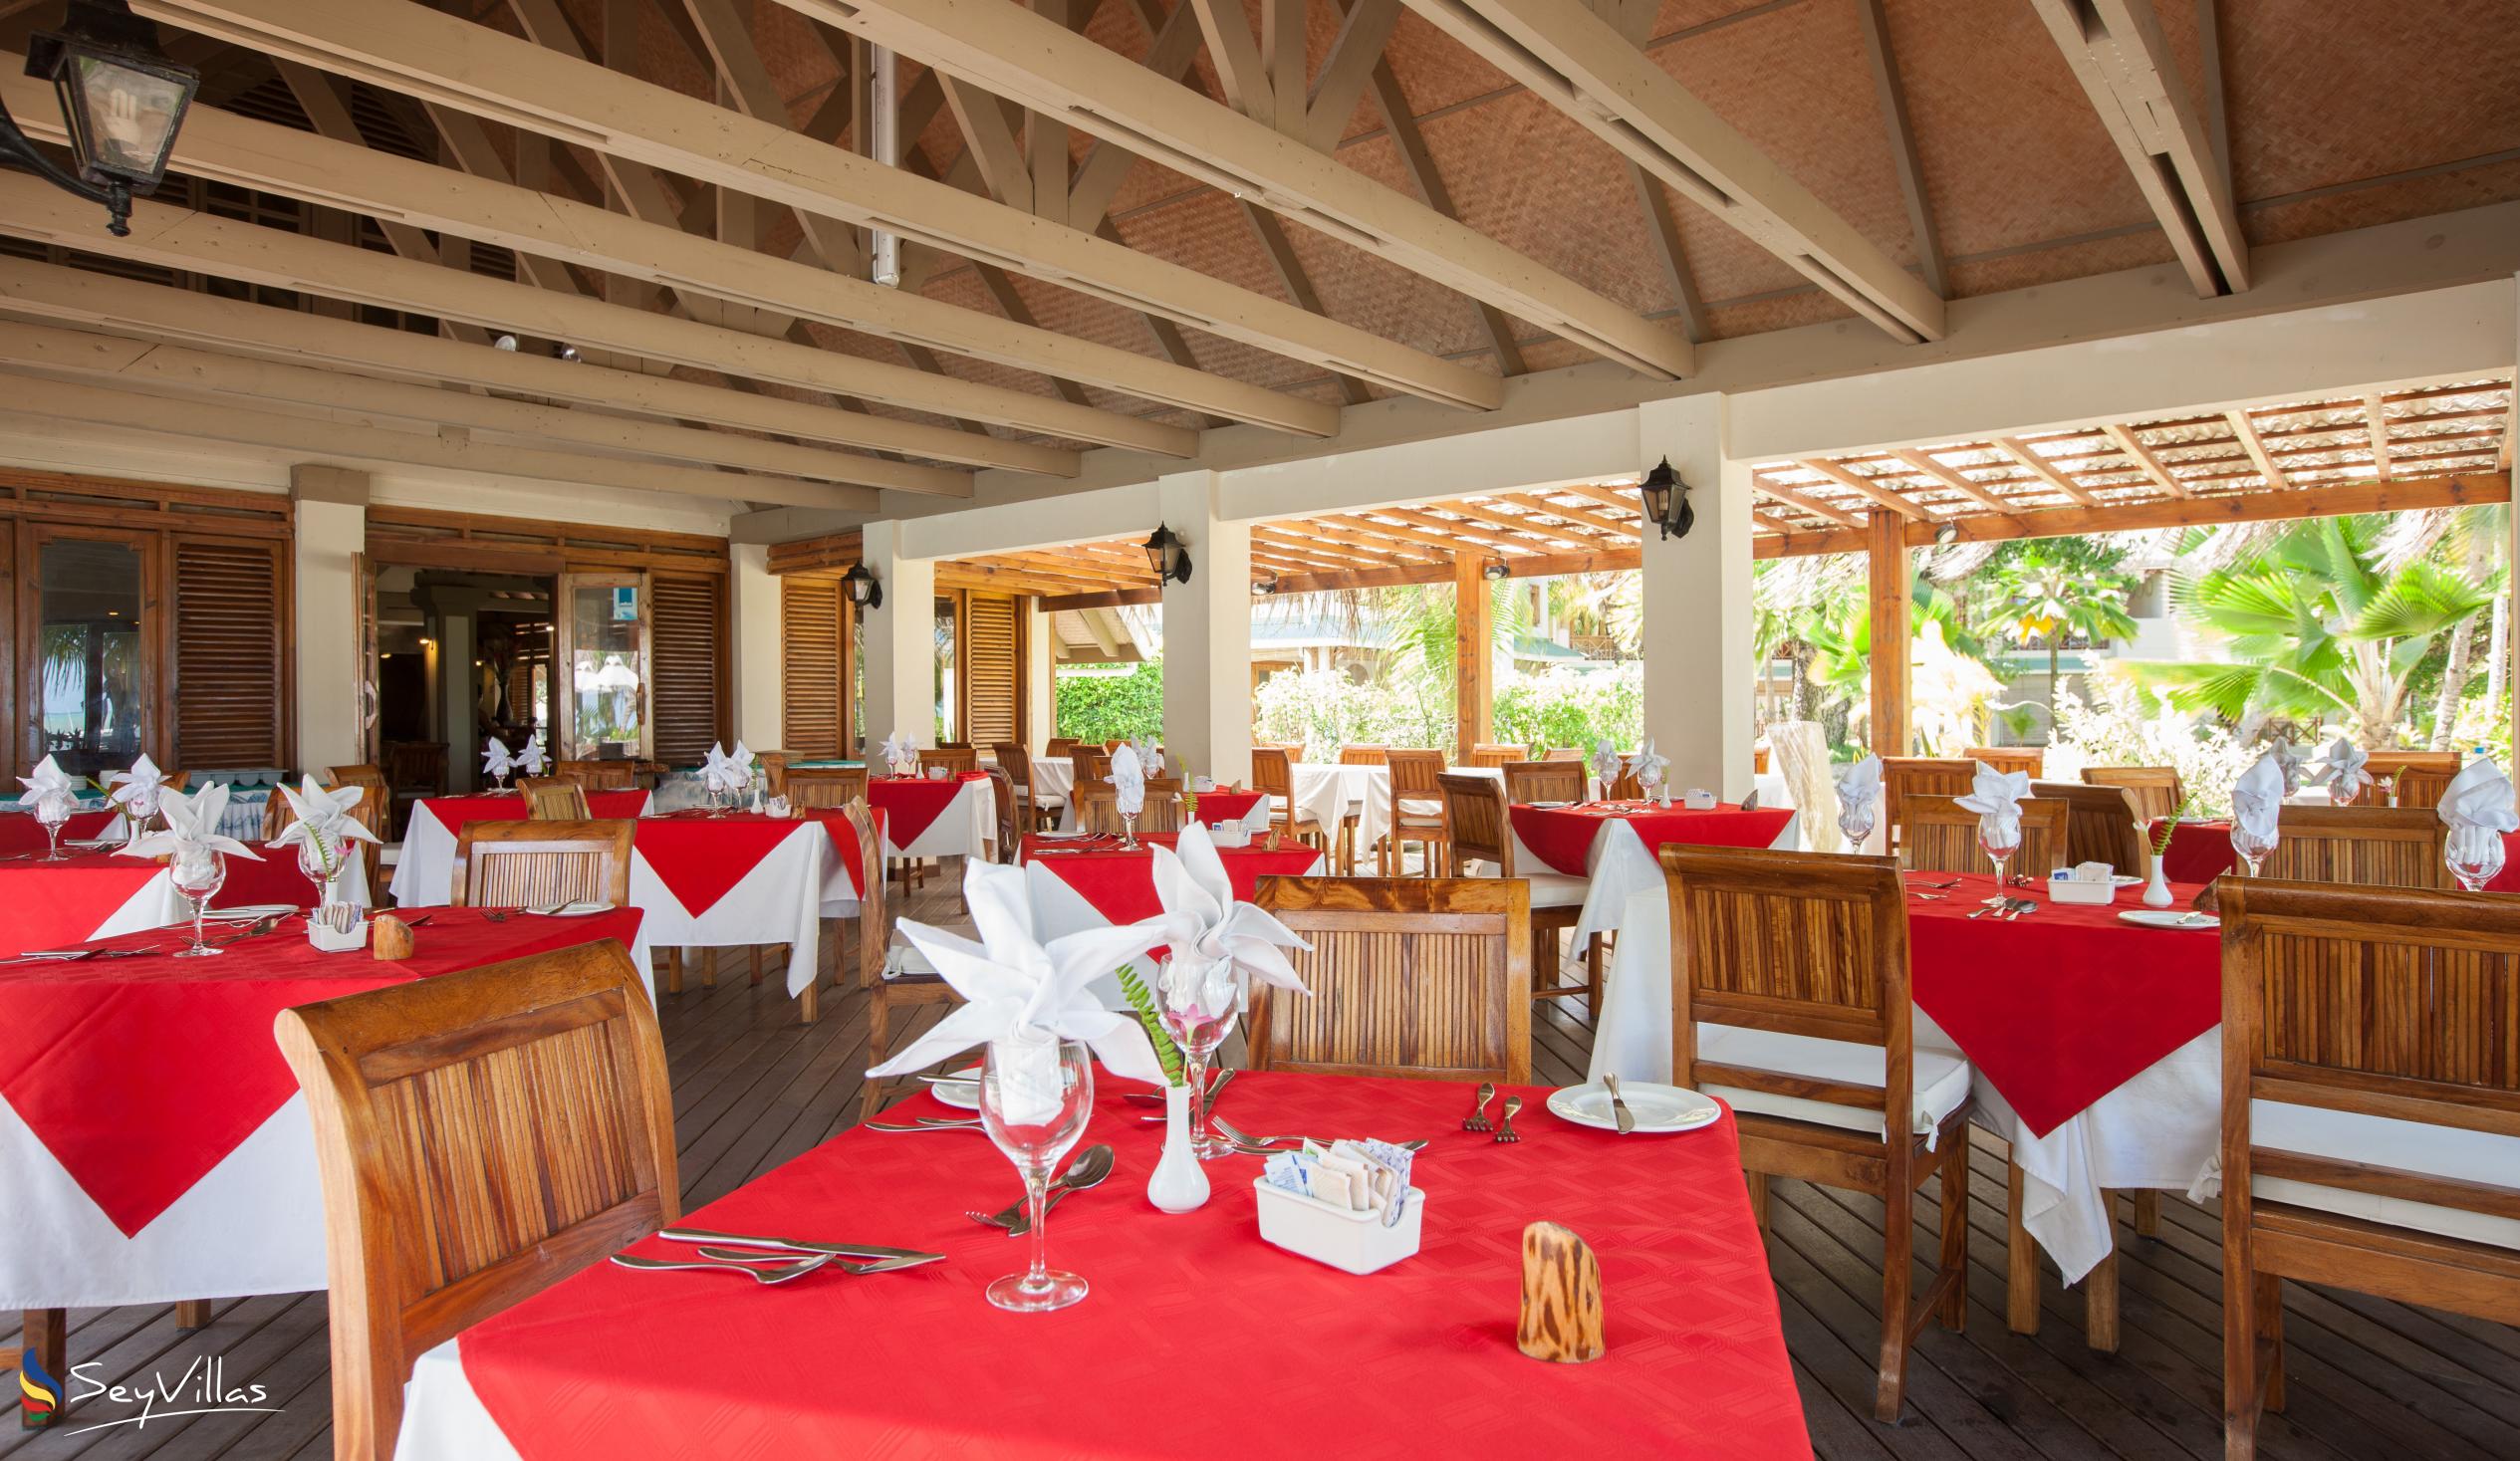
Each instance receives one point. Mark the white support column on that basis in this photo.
(753, 618)
(901, 641)
(1041, 693)
(1208, 634)
(332, 530)
(1697, 602)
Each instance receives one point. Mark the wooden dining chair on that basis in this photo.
(1474, 806)
(1527, 782)
(1938, 835)
(2030, 759)
(890, 970)
(362, 775)
(953, 759)
(1921, 776)
(599, 776)
(1092, 763)
(1415, 810)
(2415, 778)
(1059, 746)
(554, 798)
(1425, 978)
(1017, 763)
(1272, 777)
(1494, 756)
(524, 864)
(1790, 1000)
(2371, 1112)
(1010, 815)
(1098, 807)
(774, 772)
(480, 1136)
(2157, 793)
(2100, 825)
(1364, 756)
(2371, 847)
(825, 786)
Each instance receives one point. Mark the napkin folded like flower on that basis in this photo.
(138, 790)
(2479, 797)
(1858, 791)
(1607, 764)
(2343, 775)
(50, 784)
(898, 753)
(190, 834)
(1129, 781)
(1360, 1176)
(496, 760)
(1149, 756)
(2257, 798)
(1650, 771)
(1995, 796)
(324, 821)
(1218, 944)
(1015, 987)
(723, 772)
(533, 758)
(2293, 758)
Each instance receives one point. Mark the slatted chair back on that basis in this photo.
(416, 766)
(1496, 755)
(1010, 828)
(2368, 846)
(1059, 746)
(2100, 825)
(2417, 778)
(480, 1136)
(774, 772)
(369, 811)
(1544, 781)
(2031, 760)
(1098, 807)
(1272, 773)
(1092, 764)
(362, 775)
(825, 786)
(1012, 760)
(554, 798)
(955, 760)
(523, 865)
(1938, 835)
(1810, 944)
(875, 919)
(2368, 1036)
(1425, 978)
(1361, 756)
(599, 776)
(1565, 753)
(1921, 776)
(2157, 793)
(1624, 787)
(1474, 806)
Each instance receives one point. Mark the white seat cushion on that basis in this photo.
(1557, 890)
(2406, 1146)
(903, 957)
(1941, 1081)
(1422, 807)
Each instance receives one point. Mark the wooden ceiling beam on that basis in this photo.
(2246, 433)
(1863, 487)
(1891, 94)
(1041, 65)
(2045, 470)
(2133, 448)
(79, 298)
(407, 47)
(2375, 428)
(1952, 478)
(1578, 63)
(1586, 516)
(729, 47)
(2118, 52)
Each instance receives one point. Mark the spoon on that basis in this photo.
(1087, 1170)
(1267, 1145)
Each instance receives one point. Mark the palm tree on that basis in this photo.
(2316, 627)
(2046, 596)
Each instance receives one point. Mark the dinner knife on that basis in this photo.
(1619, 1108)
(747, 1240)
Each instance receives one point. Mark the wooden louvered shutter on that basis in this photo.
(994, 671)
(231, 678)
(812, 663)
(687, 624)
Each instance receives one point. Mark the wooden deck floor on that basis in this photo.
(2371, 1379)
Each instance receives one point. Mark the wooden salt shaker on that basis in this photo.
(1562, 1297)
(390, 937)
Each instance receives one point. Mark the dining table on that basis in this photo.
(1078, 883)
(424, 868)
(97, 892)
(21, 833)
(743, 879)
(2095, 1042)
(2200, 851)
(952, 816)
(1055, 779)
(154, 1147)
(1616, 844)
(1196, 1338)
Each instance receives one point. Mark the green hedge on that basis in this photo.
(1096, 707)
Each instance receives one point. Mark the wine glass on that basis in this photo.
(2475, 856)
(1036, 1095)
(198, 873)
(2253, 849)
(1857, 822)
(1200, 1001)
(1128, 832)
(2342, 790)
(320, 866)
(1999, 837)
(52, 814)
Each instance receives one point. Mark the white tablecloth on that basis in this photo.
(1059, 909)
(781, 899)
(426, 873)
(1620, 865)
(1327, 793)
(967, 827)
(157, 904)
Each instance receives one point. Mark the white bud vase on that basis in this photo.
(2156, 894)
(1178, 1184)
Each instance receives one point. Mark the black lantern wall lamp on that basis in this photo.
(1167, 556)
(861, 587)
(1666, 501)
(122, 100)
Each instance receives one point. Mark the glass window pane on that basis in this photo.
(946, 681)
(91, 654)
(607, 670)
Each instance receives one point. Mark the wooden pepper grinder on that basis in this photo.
(1562, 1297)
(390, 938)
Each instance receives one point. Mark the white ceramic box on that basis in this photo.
(1341, 1237)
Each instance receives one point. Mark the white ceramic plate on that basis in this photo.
(248, 913)
(2168, 918)
(91, 841)
(962, 1094)
(1547, 805)
(2124, 880)
(1656, 1108)
(1059, 836)
(580, 909)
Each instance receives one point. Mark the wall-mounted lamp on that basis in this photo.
(861, 587)
(1494, 571)
(121, 104)
(1264, 585)
(1167, 556)
(1666, 501)
(1946, 532)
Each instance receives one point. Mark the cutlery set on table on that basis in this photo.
(774, 1260)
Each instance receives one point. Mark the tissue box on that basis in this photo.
(328, 941)
(1356, 1242)
(2063, 888)
(1698, 801)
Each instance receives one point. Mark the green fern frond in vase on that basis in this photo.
(1168, 1055)
(2169, 826)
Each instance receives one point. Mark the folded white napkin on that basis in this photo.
(2343, 775)
(1995, 796)
(50, 784)
(324, 823)
(2293, 758)
(1217, 943)
(727, 771)
(138, 790)
(1607, 764)
(2257, 798)
(1149, 756)
(1014, 986)
(495, 757)
(899, 752)
(1650, 771)
(191, 832)
(1858, 791)
(533, 758)
(1129, 781)
(2479, 797)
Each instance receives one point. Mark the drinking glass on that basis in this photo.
(321, 867)
(1128, 832)
(51, 814)
(198, 876)
(1036, 1095)
(2340, 793)
(2254, 850)
(1858, 825)
(2475, 856)
(1999, 837)
(1199, 1002)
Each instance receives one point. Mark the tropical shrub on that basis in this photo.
(1324, 710)
(1565, 706)
(1110, 707)
(2111, 728)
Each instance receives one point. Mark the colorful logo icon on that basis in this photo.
(40, 1392)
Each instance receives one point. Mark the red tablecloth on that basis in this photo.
(2200, 852)
(20, 832)
(141, 1075)
(700, 857)
(453, 811)
(1418, 1357)
(1562, 836)
(2059, 1007)
(1217, 807)
(1121, 886)
(914, 803)
(51, 905)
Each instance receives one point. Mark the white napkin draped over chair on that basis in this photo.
(2257, 798)
(2342, 774)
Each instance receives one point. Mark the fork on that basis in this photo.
(778, 1272)
(1505, 1128)
(1478, 1113)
